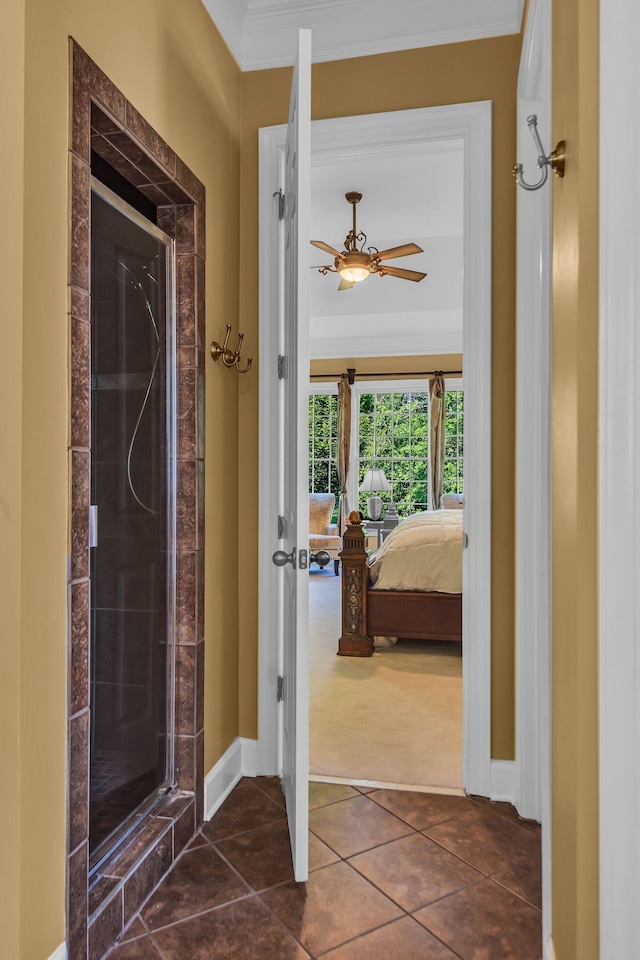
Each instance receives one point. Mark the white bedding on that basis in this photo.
(424, 552)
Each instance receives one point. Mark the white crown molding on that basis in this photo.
(228, 16)
(329, 348)
(262, 33)
(386, 334)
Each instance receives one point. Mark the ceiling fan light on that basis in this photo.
(353, 274)
(354, 266)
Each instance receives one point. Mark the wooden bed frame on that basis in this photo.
(368, 613)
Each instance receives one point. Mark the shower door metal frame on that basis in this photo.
(119, 836)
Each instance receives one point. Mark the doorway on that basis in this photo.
(405, 130)
(400, 711)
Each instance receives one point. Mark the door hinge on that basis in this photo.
(280, 689)
(465, 541)
(280, 528)
(282, 367)
(281, 201)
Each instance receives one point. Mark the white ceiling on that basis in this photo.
(263, 33)
(417, 197)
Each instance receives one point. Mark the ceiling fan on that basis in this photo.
(354, 264)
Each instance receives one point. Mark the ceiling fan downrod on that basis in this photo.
(351, 242)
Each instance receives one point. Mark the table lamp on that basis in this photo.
(374, 480)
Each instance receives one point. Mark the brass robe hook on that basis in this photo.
(228, 357)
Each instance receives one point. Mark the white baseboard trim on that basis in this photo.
(549, 952)
(238, 760)
(249, 757)
(503, 780)
(60, 953)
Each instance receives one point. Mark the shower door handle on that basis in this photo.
(93, 525)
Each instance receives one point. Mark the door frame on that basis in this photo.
(470, 123)
(619, 475)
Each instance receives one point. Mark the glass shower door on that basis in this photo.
(132, 528)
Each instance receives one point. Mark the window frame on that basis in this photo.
(456, 385)
(326, 388)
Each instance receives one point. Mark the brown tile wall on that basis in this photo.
(103, 120)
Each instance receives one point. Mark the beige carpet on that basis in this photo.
(395, 717)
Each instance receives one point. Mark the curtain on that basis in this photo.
(436, 438)
(344, 449)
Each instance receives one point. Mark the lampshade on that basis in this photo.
(375, 480)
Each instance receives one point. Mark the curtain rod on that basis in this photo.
(403, 373)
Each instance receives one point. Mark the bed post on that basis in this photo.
(354, 641)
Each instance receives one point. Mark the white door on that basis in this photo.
(293, 468)
(533, 447)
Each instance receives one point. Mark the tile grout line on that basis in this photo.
(174, 923)
(258, 895)
(487, 876)
(429, 903)
(201, 913)
(281, 923)
(241, 833)
(515, 894)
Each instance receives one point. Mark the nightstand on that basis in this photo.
(373, 533)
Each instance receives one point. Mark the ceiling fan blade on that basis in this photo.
(405, 250)
(325, 246)
(402, 274)
(346, 285)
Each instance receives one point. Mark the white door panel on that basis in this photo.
(294, 483)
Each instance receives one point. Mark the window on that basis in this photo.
(323, 444)
(453, 481)
(394, 435)
(389, 429)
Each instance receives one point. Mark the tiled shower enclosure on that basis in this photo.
(151, 744)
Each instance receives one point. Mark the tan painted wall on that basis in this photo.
(11, 258)
(575, 488)
(457, 73)
(170, 62)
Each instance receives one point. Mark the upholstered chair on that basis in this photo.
(452, 501)
(324, 535)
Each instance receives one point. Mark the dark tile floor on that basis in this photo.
(394, 874)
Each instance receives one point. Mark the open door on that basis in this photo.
(293, 470)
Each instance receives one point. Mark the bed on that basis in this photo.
(410, 588)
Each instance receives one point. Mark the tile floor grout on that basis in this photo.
(258, 895)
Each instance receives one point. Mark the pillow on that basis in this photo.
(452, 501)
